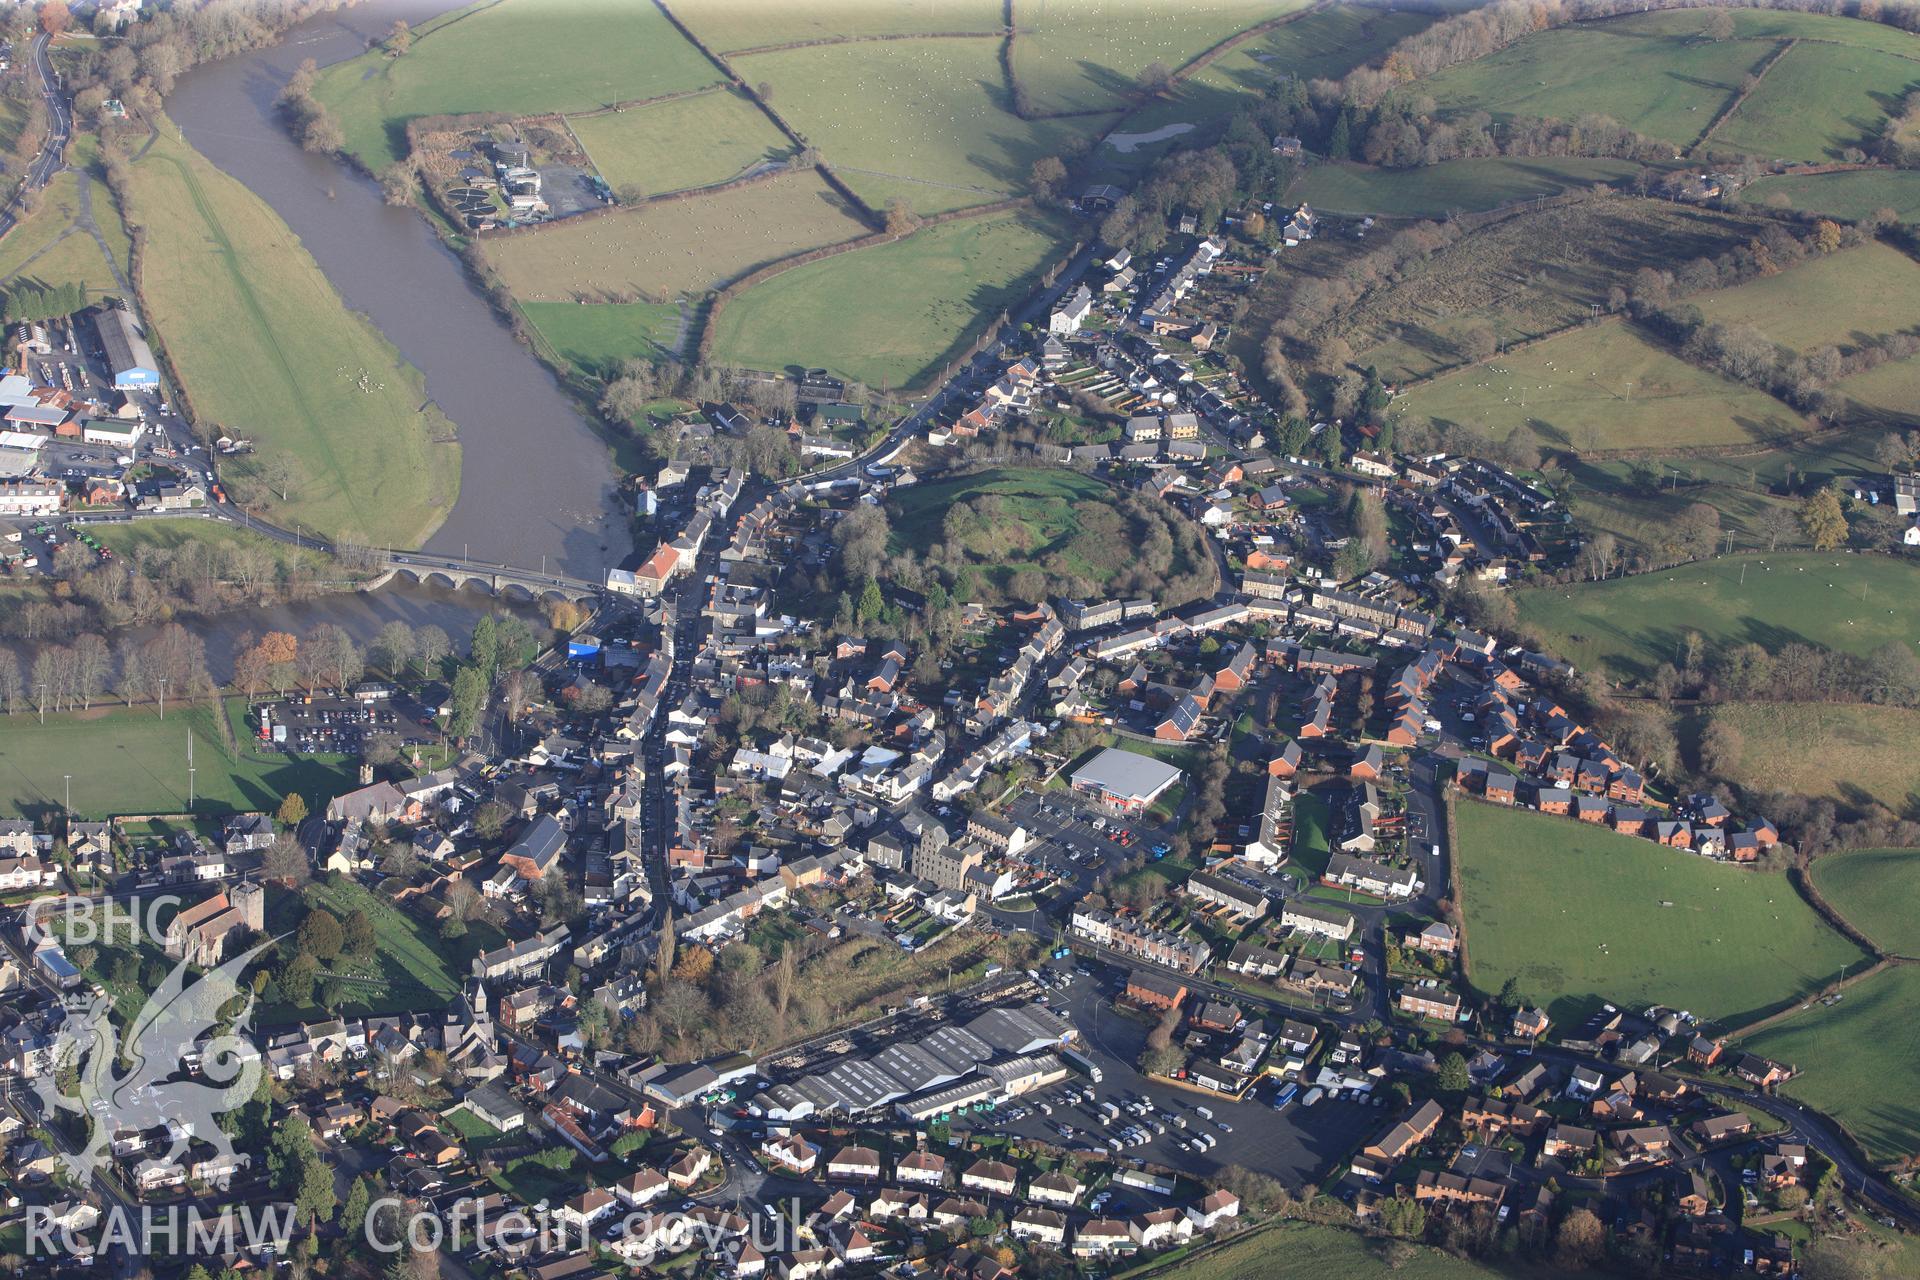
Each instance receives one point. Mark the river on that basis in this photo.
(534, 479)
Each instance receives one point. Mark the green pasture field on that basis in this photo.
(267, 349)
(728, 26)
(1579, 916)
(684, 142)
(1854, 754)
(125, 541)
(48, 248)
(1839, 298)
(517, 57)
(1877, 891)
(131, 761)
(1670, 87)
(661, 251)
(1320, 44)
(596, 338)
(1046, 512)
(1630, 626)
(1888, 396)
(1765, 24)
(1858, 1059)
(1530, 272)
(893, 313)
(1087, 55)
(1295, 1251)
(1457, 185)
(1853, 195)
(1606, 503)
(1818, 101)
(930, 121)
(1600, 387)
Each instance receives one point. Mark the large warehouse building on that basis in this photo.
(1124, 780)
(128, 355)
(995, 1055)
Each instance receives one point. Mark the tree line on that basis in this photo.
(152, 583)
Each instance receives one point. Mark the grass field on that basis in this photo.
(1457, 185)
(930, 121)
(1597, 388)
(1669, 87)
(894, 313)
(1859, 1060)
(1842, 298)
(411, 967)
(1854, 754)
(1299, 1252)
(1087, 55)
(1851, 195)
(1888, 395)
(134, 762)
(1579, 915)
(1043, 514)
(1818, 100)
(682, 143)
(1854, 603)
(268, 350)
(1530, 273)
(125, 541)
(596, 337)
(512, 56)
(683, 246)
(1608, 502)
(1877, 891)
(1323, 44)
(730, 25)
(47, 247)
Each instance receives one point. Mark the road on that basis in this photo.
(53, 155)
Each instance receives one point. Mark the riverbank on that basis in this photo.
(534, 478)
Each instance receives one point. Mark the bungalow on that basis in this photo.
(1721, 1128)
(1645, 1144)
(1761, 1072)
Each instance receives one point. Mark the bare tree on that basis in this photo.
(91, 666)
(9, 679)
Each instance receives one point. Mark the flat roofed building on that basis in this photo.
(1124, 779)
